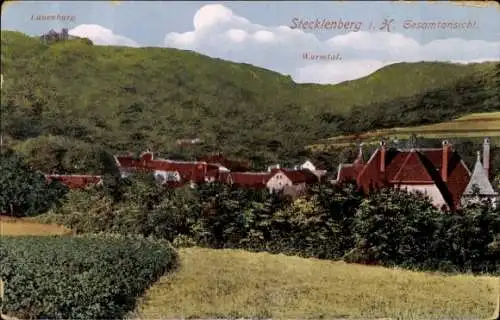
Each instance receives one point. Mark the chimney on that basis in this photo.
(444, 166)
(486, 155)
(359, 159)
(382, 156)
(147, 156)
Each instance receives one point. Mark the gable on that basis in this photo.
(308, 165)
(371, 177)
(412, 170)
(279, 179)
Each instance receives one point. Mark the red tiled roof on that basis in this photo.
(458, 179)
(420, 166)
(250, 179)
(396, 164)
(213, 174)
(128, 162)
(297, 176)
(188, 170)
(75, 181)
(349, 172)
(412, 170)
(370, 176)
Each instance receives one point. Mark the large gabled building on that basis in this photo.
(439, 173)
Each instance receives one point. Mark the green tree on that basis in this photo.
(24, 191)
(472, 235)
(58, 154)
(393, 227)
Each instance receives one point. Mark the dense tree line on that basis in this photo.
(390, 227)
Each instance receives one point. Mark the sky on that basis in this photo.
(314, 42)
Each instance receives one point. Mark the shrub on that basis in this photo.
(24, 191)
(388, 227)
(393, 227)
(92, 277)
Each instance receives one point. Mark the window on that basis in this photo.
(164, 176)
(172, 176)
(159, 178)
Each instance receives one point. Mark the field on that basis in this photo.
(19, 227)
(235, 283)
(470, 126)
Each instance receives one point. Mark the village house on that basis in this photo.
(215, 168)
(289, 181)
(319, 172)
(439, 173)
(292, 180)
(170, 172)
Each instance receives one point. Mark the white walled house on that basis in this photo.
(308, 165)
(292, 181)
(278, 182)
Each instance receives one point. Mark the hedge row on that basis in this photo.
(390, 227)
(91, 277)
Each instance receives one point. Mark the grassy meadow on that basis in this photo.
(470, 126)
(236, 283)
(26, 227)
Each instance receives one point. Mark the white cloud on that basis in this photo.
(101, 36)
(219, 32)
(338, 71)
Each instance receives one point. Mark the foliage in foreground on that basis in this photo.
(390, 227)
(93, 277)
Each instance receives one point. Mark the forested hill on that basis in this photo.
(64, 101)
